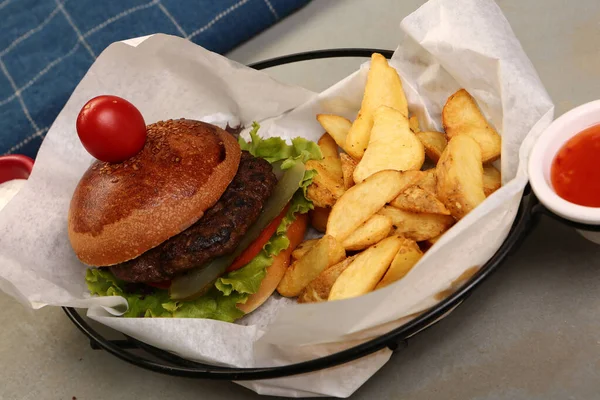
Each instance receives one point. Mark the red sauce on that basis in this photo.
(576, 169)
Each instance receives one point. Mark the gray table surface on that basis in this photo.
(532, 331)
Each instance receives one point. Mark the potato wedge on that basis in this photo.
(323, 254)
(336, 126)
(492, 179)
(413, 121)
(348, 166)
(433, 240)
(329, 147)
(328, 184)
(461, 116)
(392, 145)
(417, 226)
(358, 135)
(460, 176)
(363, 200)
(333, 165)
(303, 248)
(425, 245)
(434, 143)
(318, 218)
(367, 269)
(372, 231)
(418, 200)
(383, 88)
(406, 258)
(429, 181)
(318, 290)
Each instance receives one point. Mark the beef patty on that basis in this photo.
(217, 233)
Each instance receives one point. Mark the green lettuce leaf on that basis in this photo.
(248, 279)
(275, 149)
(102, 282)
(234, 287)
(308, 179)
(213, 305)
(245, 280)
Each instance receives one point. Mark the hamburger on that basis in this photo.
(197, 224)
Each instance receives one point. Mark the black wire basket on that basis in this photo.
(154, 359)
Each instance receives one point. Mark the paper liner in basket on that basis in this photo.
(445, 45)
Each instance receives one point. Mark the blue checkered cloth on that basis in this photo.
(46, 46)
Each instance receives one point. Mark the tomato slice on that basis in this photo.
(199, 280)
(247, 255)
(160, 285)
(255, 247)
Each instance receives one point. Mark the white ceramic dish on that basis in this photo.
(540, 163)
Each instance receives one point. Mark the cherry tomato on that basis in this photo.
(111, 129)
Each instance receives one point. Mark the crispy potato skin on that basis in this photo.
(418, 200)
(303, 248)
(348, 166)
(318, 290)
(363, 200)
(417, 226)
(460, 176)
(337, 127)
(392, 146)
(414, 124)
(372, 231)
(384, 88)
(434, 144)
(406, 258)
(328, 146)
(367, 269)
(328, 184)
(461, 116)
(323, 254)
(429, 181)
(492, 179)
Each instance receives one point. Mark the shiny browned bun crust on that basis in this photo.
(119, 211)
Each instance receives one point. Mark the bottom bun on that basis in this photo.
(276, 270)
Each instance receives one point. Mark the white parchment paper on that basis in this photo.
(445, 45)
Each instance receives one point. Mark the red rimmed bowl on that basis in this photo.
(15, 166)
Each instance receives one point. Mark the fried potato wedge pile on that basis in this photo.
(379, 210)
